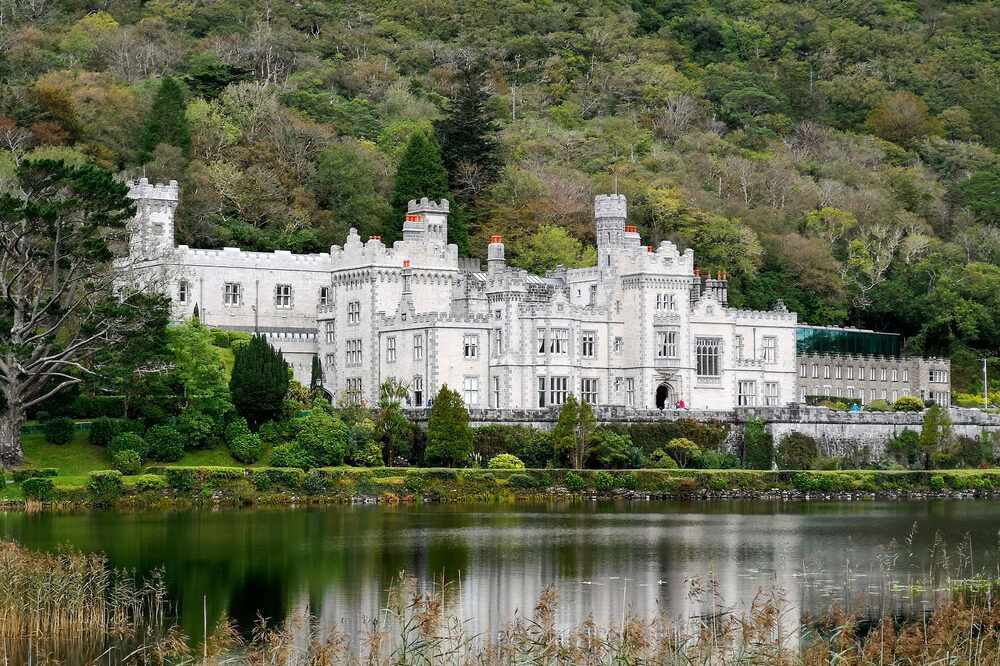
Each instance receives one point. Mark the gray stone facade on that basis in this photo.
(874, 377)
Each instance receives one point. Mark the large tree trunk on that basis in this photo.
(10, 435)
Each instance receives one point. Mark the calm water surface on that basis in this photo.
(338, 561)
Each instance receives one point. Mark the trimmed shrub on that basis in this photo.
(269, 433)
(290, 478)
(21, 475)
(505, 461)
(322, 439)
(165, 443)
(805, 482)
(908, 403)
(150, 482)
(603, 481)
(660, 460)
(133, 426)
(103, 430)
(106, 484)
(796, 451)
(246, 449)
(758, 446)
(414, 482)
(449, 437)
(219, 339)
(628, 481)
(611, 450)
(180, 478)
(288, 455)
(936, 483)
(492, 440)
(575, 482)
(521, 481)
(261, 481)
(59, 431)
(878, 406)
(127, 462)
(38, 488)
(128, 441)
(42, 416)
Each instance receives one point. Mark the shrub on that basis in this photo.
(150, 482)
(758, 446)
(449, 437)
(220, 339)
(494, 439)
(128, 441)
(127, 462)
(536, 451)
(103, 430)
(246, 448)
(805, 482)
(414, 482)
(133, 426)
(908, 403)
(906, 446)
(683, 486)
(38, 488)
(198, 428)
(59, 431)
(878, 406)
(708, 460)
(37, 473)
(365, 449)
(823, 463)
(628, 481)
(261, 480)
(165, 443)
(322, 440)
(936, 482)
(270, 433)
(682, 450)
(106, 484)
(180, 478)
(288, 455)
(42, 416)
(575, 482)
(505, 461)
(109, 405)
(520, 481)
(603, 481)
(610, 449)
(315, 483)
(660, 460)
(796, 451)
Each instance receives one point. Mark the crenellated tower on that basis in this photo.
(431, 217)
(610, 211)
(152, 228)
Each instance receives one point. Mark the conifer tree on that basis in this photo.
(259, 381)
(449, 437)
(573, 434)
(316, 376)
(468, 133)
(421, 173)
(166, 121)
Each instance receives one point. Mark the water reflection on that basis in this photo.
(339, 561)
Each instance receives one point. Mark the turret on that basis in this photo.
(152, 228)
(433, 216)
(631, 237)
(495, 260)
(610, 211)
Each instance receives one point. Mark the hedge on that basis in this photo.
(21, 475)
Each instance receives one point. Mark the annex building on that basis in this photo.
(642, 329)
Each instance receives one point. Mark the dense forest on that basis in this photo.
(839, 154)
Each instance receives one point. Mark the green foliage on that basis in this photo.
(420, 173)
(344, 184)
(682, 450)
(574, 481)
(166, 121)
(127, 461)
(165, 443)
(660, 460)
(103, 430)
(365, 449)
(521, 481)
(413, 482)
(603, 481)
(493, 439)
(796, 451)
(573, 436)
(22, 474)
(878, 406)
(908, 403)
(322, 440)
(936, 483)
(449, 437)
(59, 431)
(243, 445)
(468, 133)
(180, 478)
(150, 482)
(758, 446)
(628, 481)
(106, 485)
(505, 461)
(906, 446)
(128, 441)
(315, 483)
(289, 455)
(199, 370)
(549, 247)
(259, 381)
(611, 450)
(261, 480)
(38, 488)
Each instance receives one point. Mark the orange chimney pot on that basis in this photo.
(406, 263)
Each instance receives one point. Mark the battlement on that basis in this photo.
(610, 205)
(234, 257)
(425, 205)
(143, 189)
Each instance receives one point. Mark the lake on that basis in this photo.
(339, 561)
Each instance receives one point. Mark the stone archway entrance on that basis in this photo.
(662, 395)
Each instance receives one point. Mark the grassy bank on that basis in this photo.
(185, 485)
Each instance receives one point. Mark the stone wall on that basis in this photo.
(837, 433)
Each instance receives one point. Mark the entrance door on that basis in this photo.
(662, 393)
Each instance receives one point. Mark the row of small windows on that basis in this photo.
(232, 295)
(851, 392)
(746, 394)
(882, 374)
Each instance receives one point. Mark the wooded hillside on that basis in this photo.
(841, 155)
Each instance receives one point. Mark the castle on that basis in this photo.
(641, 329)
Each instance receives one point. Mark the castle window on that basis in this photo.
(815, 370)
(883, 394)
(630, 392)
(871, 376)
(418, 347)
(593, 294)
(871, 394)
(558, 390)
(746, 395)
(183, 292)
(938, 376)
(352, 352)
(588, 344)
(850, 372)
(771, 394)
(354, 312)
(470, 393)
(324, 295)
(619, 344)
(330, 360)
(540, 335)
(496, 391)
(618, 384)
(666, 344)
(497, 314)
(883, 374)
(353, 392)
(840, 372)
(826, 372)
(390, 350)
(770, 347)
(330, 329)
(706, 352)
(541, 391)
(802, 370)
(906, 374)
(588, 391)
(470, 345)
(895, 375)
(232, 294)
(418, 391)
(850, 391)
(895, 395)
(498, 343)
(861, 373)
(560, 341)
(283, 296)
(738, 347)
